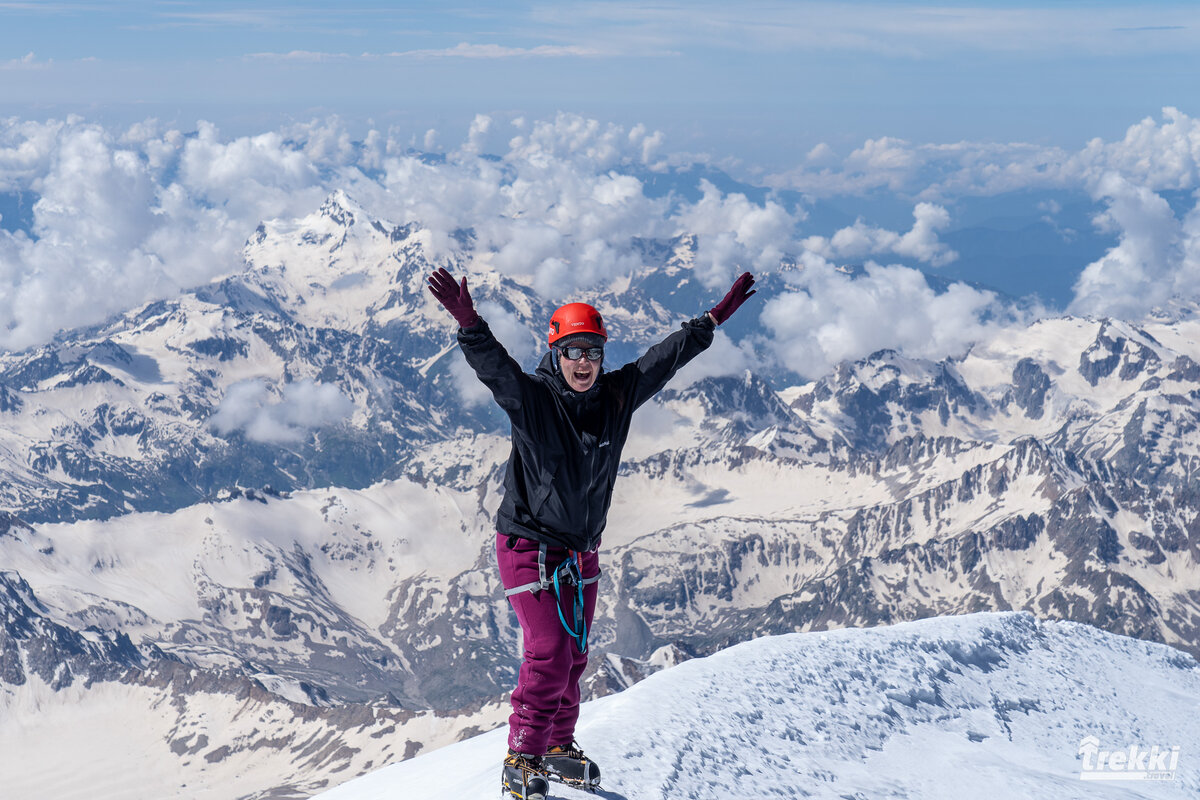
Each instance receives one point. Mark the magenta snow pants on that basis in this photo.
(546, 701)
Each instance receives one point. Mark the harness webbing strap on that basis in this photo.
(574, 574)
(543, 582)
(540, 584)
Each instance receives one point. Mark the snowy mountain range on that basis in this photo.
(263, 510)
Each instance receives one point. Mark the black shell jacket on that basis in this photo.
(566, 445)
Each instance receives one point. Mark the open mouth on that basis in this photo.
(583, 375)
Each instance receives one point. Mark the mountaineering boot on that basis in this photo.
(524, 777)
(568, 764)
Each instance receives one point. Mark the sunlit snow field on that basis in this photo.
(986, 705)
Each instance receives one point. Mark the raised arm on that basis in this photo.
(494, 367)
(663, 360)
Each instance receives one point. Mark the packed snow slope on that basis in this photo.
(989, 705)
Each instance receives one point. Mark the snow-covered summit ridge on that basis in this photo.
(985, 705)
(1078, 383)
(339, 267)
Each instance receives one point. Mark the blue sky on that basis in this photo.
(759, 81)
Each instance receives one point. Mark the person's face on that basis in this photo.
(580, 373)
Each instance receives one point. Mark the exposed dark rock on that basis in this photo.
(1030, 384)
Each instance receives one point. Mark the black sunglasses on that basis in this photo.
(573, 353)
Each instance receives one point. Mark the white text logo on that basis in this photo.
(1132, 763)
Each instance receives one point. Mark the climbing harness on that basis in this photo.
(567, 573)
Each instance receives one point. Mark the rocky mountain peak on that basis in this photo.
(1121, 349)
(341, 210)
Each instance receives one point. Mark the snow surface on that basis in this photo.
(125, 560)
(985, 705)
(115, 741)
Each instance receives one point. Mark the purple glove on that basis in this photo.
(454, 296)
(733, 299)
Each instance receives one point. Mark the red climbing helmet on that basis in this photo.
(576, 318)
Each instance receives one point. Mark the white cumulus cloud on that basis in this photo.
(832, 317)
(288, 417)
(571, 137)
(1156, 260)
(122, 217)
(861, 240)
(735, 233)
(1157, 154)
